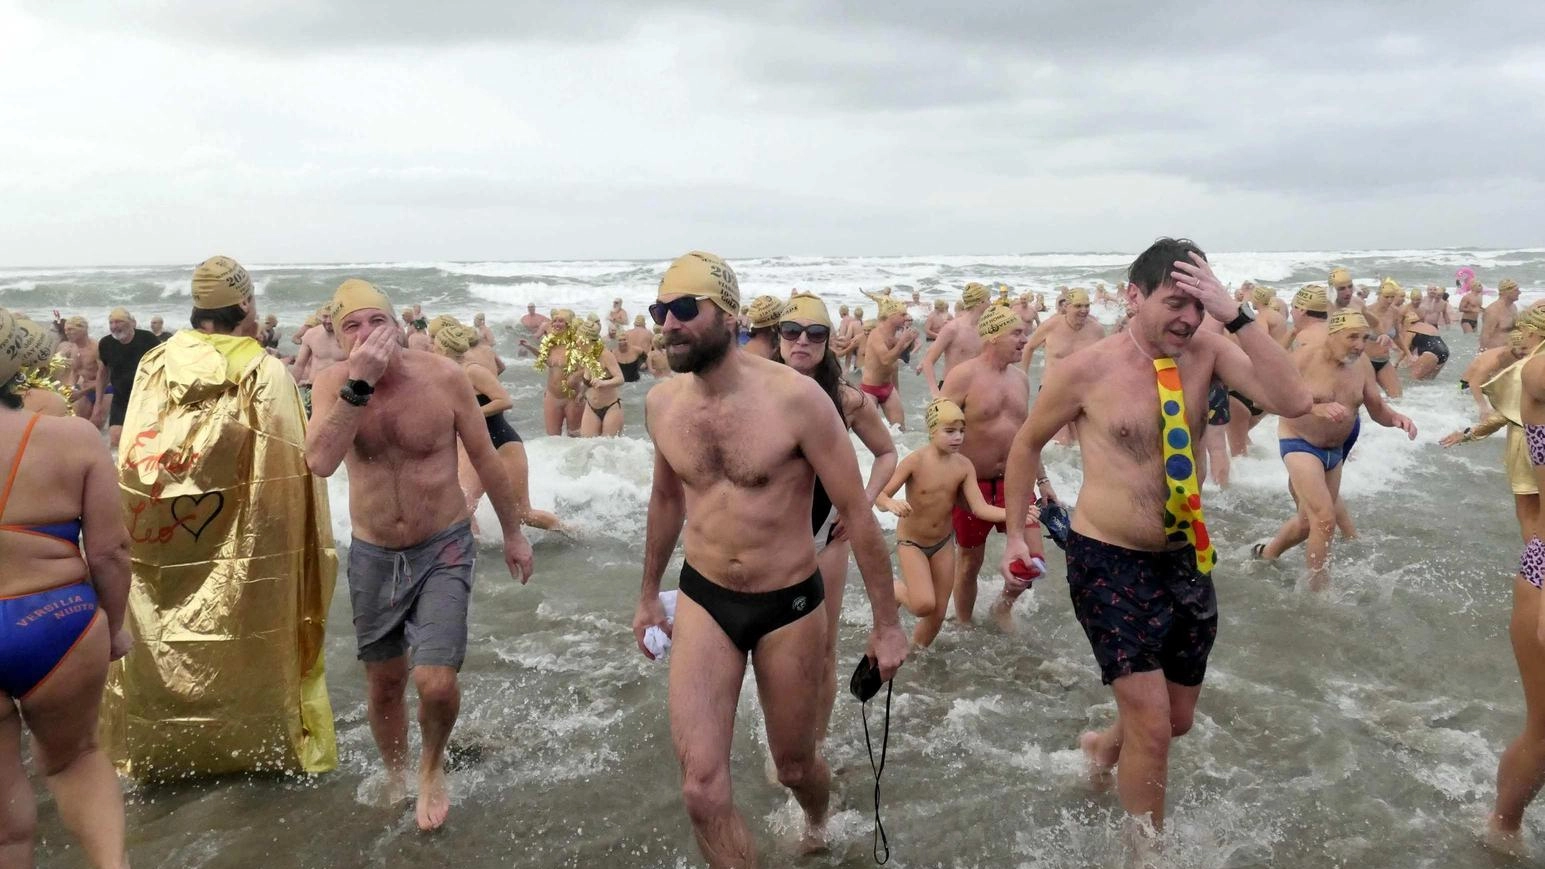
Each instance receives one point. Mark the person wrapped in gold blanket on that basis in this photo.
(232, 552)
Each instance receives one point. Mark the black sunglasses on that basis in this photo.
(791, 331)
(685, 309)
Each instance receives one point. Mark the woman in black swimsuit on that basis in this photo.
(1426, 353)
(804, 344)
(453, 342)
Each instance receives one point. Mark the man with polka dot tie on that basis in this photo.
(1139, 557)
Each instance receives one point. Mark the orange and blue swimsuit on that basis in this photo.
(38, 629)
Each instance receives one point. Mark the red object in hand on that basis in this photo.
(1032, 570)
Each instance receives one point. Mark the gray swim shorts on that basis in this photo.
(413, 598)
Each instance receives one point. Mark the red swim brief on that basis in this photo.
(880, 393)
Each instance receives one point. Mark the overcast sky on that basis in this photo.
(307, 130)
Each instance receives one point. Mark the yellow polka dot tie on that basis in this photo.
(1183, 518)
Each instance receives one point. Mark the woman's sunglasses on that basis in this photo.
(685, 309)
(791, 331)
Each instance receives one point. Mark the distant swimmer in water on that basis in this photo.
(633, 348)
(1243, 413)
(1426, 352)
(659, 366)
(1521, 769)
(563, 383)
(739, 442)
(493, 399)
(937, 318)
(1314, 445)
(602, 376)
(1470, 303)
(935, 477)
(882, 354)
(804, 339)
(1384, 321)
(762, 320)
(995, 396)
(958, 340)
(535, 325)
(416, 332)
(319, 351)
(394, 417)
(1139, 557)
(1062, 336)
(616, 320)
(1499, 317)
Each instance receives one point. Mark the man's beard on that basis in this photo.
(700, 355)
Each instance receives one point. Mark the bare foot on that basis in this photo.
(1509, 844)
(1099, 767)
(814, 840)
(396, 789)
(434, 800)
(1002, 613)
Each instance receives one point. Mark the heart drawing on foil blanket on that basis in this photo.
(194, 512)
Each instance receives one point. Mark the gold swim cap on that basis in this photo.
(763, 312)
(454, 340)
(119, 314)
(1340, 277)
(1312, 298)
(590, 328)
(1261, 296)
(13, 348)
(441, 322)
(806, 306)
(220, 282)
(1390, 289)
(38, 345)
(997, 320)
(1416, 295)
(941, 412)
(77, 321)
(973, 295)
(638, 319)
(1504, 285)
(1532, 320)
(357, 295)
(1347, 320)
(940, 305)
(843, 310)
(889, 307)
(1078, 296)
(703, 275)
(1516, 339)
(313, 321)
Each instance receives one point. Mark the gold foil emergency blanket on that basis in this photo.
(234, 569)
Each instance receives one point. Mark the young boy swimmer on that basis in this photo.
(935, 476)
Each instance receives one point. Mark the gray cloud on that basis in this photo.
(451, 129)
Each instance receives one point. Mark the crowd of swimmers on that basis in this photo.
(752, 414)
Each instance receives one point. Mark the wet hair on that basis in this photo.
(827, 375)
(770, 331)
(1152, 267)
(1317, 315)
(224, 320)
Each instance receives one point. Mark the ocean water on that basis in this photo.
(1359, 728)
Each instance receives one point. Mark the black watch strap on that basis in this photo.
(360, 387)
(347, 393)
(1239, 322)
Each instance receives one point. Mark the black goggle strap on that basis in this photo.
(882, 845)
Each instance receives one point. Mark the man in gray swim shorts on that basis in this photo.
(414, 598)
(395, 415)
